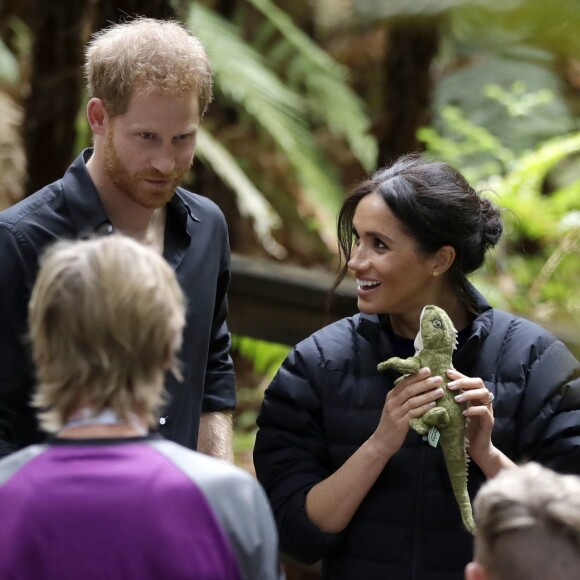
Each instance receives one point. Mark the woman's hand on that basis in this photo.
(479, 411)
(410, 398)
(331, 503)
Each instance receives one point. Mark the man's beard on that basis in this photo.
(133, 185)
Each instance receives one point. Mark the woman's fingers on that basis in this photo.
(409, 399)
(418, 411)
(415, 395)
(470, 389)
(417, 383)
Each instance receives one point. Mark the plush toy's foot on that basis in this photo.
(419, 426)
(437, 417)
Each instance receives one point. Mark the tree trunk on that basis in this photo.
(411, 49)
(111, 11)
(55, 90)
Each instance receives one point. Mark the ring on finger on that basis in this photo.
(491, 398)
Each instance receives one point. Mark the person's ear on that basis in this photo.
(443, 259)
(475, 571)
(97, 116)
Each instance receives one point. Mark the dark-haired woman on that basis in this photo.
(347, 479)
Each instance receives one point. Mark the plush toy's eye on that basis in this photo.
(437, 323)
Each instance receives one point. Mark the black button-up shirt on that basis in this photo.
(196, 246)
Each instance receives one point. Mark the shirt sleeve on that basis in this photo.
(17, 267)
(290, 453)
(220, 387)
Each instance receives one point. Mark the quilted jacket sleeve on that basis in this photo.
(550, 412)
(537, 387)
(290, 455)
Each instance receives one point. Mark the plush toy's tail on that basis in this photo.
(457, 470)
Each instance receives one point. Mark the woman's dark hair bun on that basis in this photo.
(491, 223)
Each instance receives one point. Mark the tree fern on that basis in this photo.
(521, 189)
(542, 281)
(330, 100)
(251, 202)
(242, 76)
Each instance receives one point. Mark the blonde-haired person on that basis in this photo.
(528, 526)
(106, 318)
(149, 83)
(103, 499)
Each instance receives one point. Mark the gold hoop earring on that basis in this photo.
(435, 273)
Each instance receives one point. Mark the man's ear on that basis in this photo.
(475, 571)
(443, 259)
(97, 116)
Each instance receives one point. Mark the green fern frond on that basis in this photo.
(330, 99)
(567, 199)
(472, 147)
(527, 177)
(475, 137)
(266, 357)
(251, 202)
(241, 73)
(9, 71)
(521, 189)
(333, 103)
(243, 77)
(297, 38)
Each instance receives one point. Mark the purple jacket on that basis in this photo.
(137, 509)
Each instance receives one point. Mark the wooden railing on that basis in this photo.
(282, 303)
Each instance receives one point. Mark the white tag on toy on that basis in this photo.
(433, 437)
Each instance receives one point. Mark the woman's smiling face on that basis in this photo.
(392, 276)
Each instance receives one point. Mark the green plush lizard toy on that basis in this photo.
(445, 423)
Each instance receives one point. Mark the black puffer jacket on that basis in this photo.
(326, 400)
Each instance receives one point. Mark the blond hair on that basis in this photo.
(106, 318)
(148, 55)
(528, 524)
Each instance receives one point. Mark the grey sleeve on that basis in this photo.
(16, 461)
(240, 505)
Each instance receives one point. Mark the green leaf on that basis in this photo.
(251, 202)
(521, 189)
(266, 357)
(243, 77)
(329, 97)
(9, 71)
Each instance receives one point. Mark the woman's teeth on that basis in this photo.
(366, 284)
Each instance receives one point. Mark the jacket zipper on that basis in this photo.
(418, 509)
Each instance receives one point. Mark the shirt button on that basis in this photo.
(104, 229)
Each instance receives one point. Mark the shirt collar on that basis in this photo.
(82, 199)
(89, 217)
